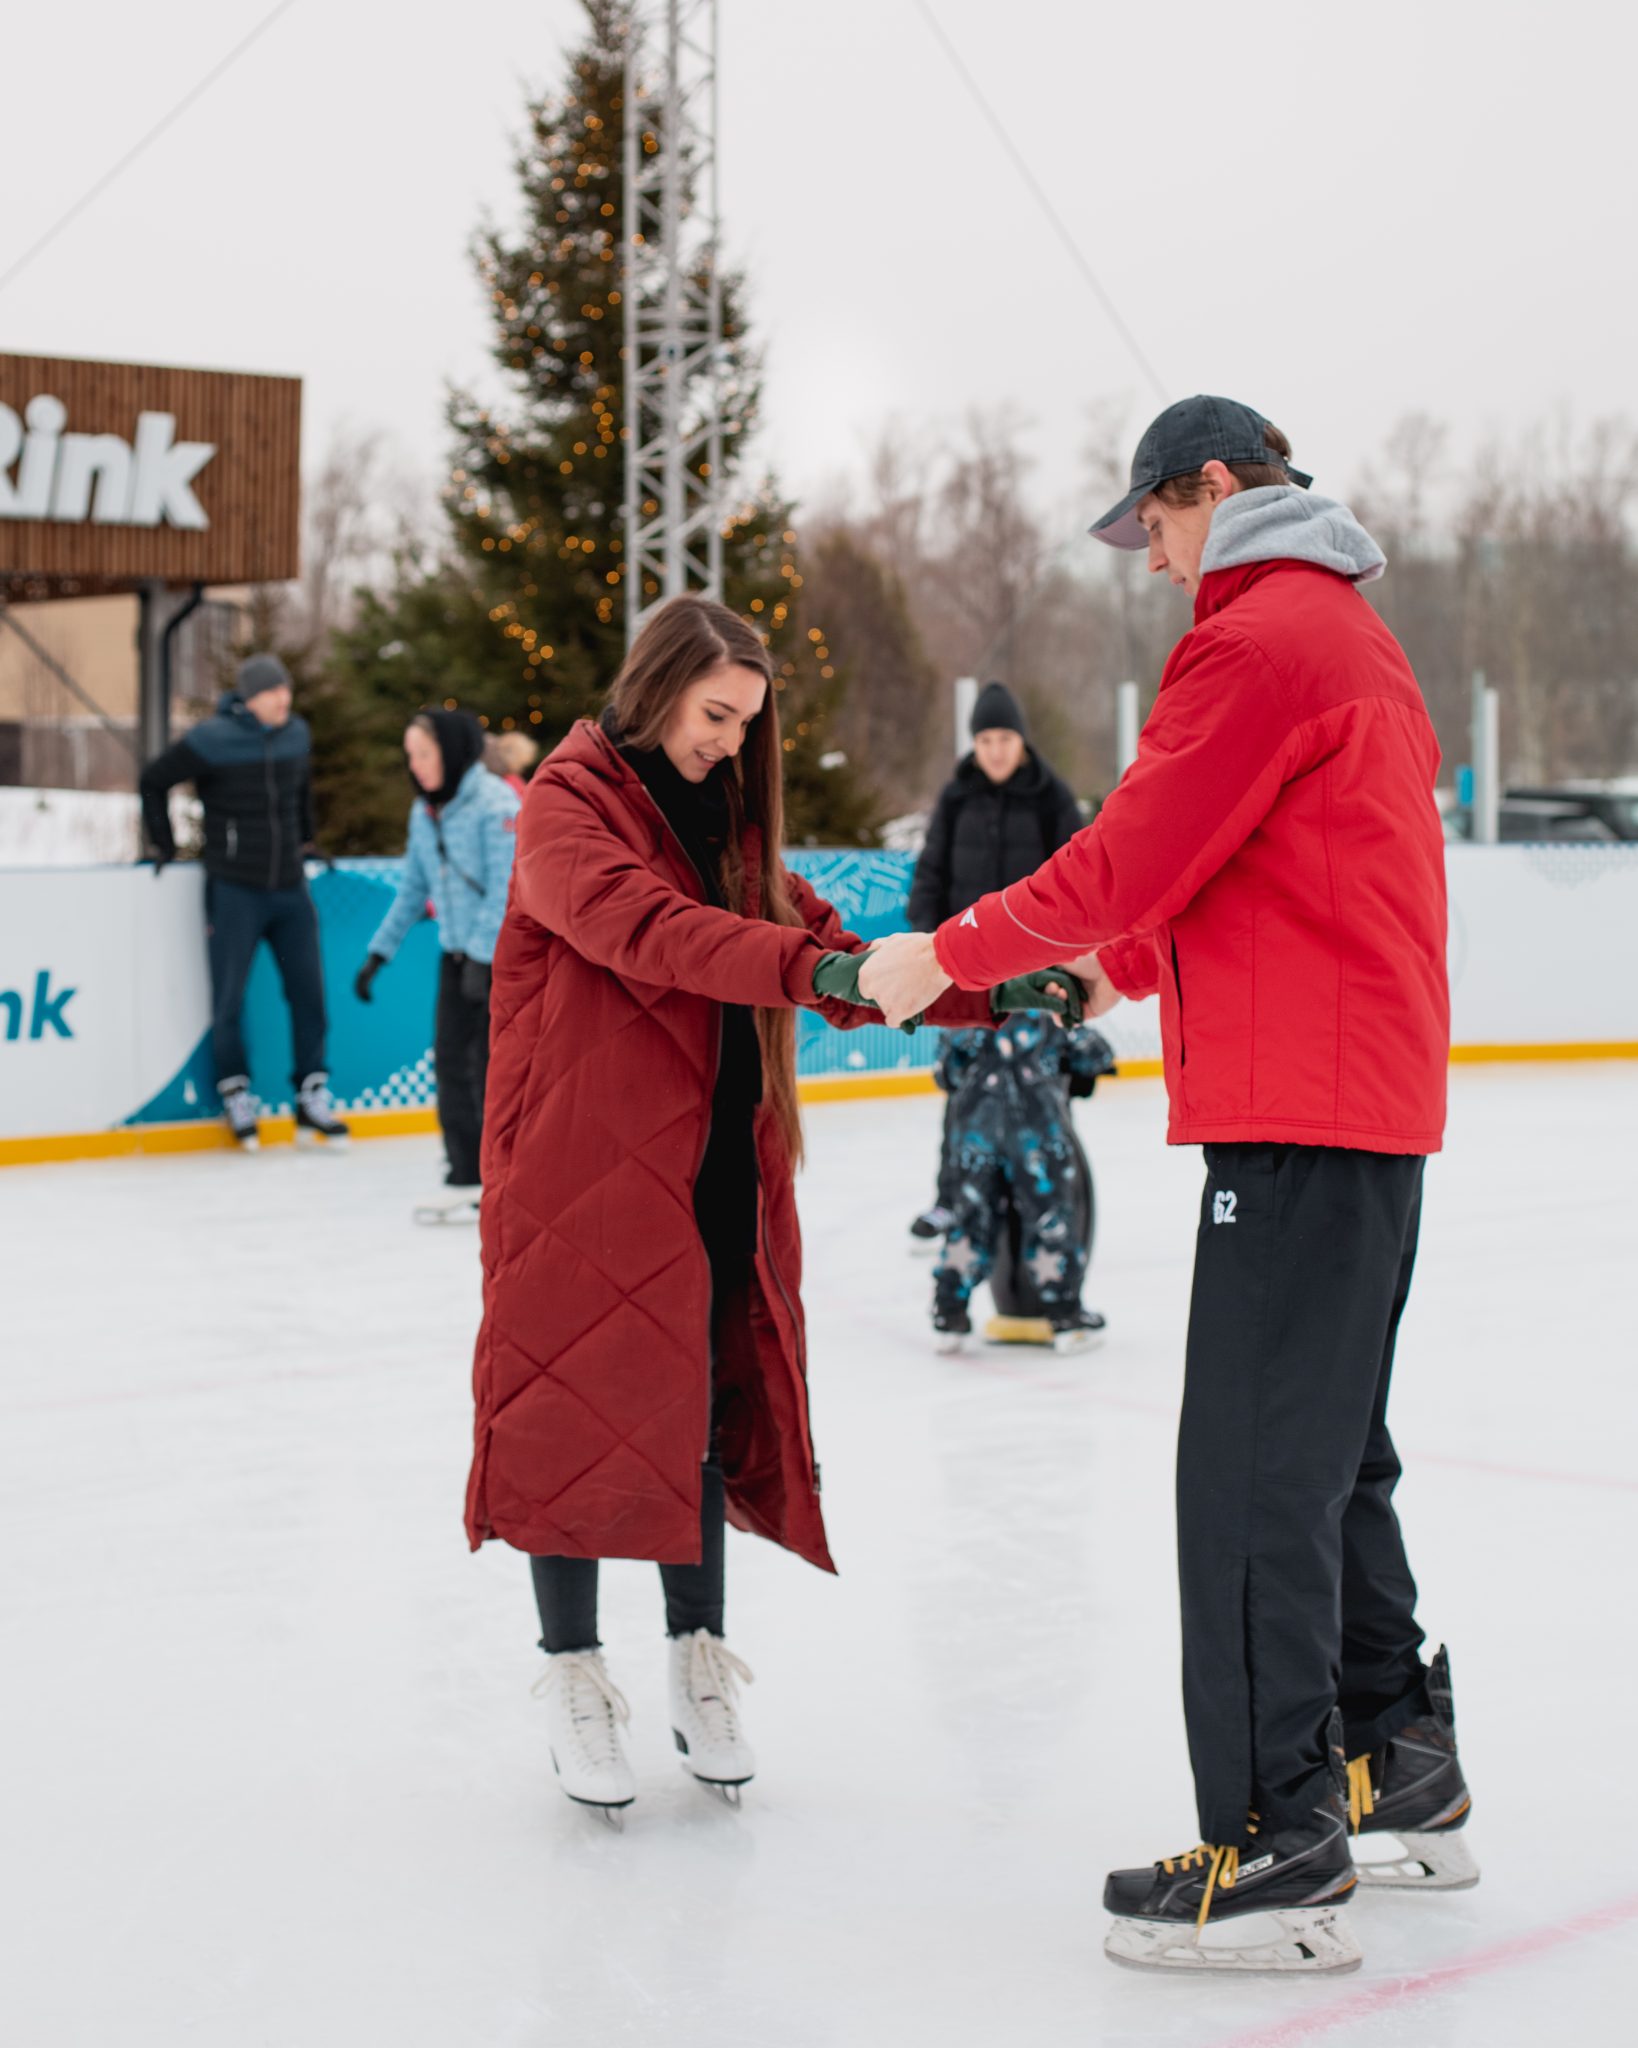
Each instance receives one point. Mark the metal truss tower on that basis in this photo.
(673, 307)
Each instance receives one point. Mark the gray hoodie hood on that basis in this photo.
(1278, 523)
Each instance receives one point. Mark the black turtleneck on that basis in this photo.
(725, 1189)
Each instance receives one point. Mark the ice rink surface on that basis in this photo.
(274, 1775)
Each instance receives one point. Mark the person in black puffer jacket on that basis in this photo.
(1002, 813)
(251, 764)
(997, 819)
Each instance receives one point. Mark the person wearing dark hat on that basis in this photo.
(1272, 866)
(251, 764)
(462, 835)
(999, 816)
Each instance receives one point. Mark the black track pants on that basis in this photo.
(1296, 1595)
(566, 1587)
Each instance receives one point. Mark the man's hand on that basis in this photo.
(902, 977)
(1101, 993)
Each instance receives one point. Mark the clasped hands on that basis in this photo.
(901, 977)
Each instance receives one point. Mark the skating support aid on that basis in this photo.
(1312, 1941)
(1431, 1863)
(1019, 1330)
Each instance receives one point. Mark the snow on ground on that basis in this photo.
(275, 1776)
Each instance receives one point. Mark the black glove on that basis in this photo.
(475, 977)
(366, 975)
(837, 976)
(1082, 1085)
(1050, 988)
(161, 862)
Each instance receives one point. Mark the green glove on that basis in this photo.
(837, 976)
(1038, 992)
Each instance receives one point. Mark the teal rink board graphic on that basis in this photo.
(381, 1052)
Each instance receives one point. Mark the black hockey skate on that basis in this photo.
(953, 1325)
(1299, 1874)
(239, 1114)
(927, 1229)
(1075, 1329)
(316, 1113)
(1413, 1787)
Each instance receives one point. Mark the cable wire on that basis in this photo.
(152, 136)
(1076, 255)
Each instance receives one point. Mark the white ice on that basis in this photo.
(274, 1775)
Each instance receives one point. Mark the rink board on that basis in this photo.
(104, 1002)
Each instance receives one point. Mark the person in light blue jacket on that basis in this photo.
(462, 835)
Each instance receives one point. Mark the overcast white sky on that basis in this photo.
(1338, 213)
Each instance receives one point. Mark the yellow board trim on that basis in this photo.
(208, 1135)
(1496, 1055)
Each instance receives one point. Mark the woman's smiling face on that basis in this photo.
(709, 721)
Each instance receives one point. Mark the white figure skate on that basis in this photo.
(705, 1677)
(585, 1712)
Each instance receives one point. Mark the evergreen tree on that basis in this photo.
(521, 617)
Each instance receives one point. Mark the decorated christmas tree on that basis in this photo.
(520, 616)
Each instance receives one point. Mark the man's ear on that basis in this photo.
(1221, 480)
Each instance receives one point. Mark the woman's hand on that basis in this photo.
(902, 977)
(837, 976)
(1050, 988)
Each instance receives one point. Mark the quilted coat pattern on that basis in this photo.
(593, 1373)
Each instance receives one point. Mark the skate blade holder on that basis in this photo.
(1281, 1942)
(1426, 1863)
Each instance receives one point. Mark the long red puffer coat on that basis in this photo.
(593, 1374)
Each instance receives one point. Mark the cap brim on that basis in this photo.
(1120, 526)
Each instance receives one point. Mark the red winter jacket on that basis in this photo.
(593, 1374)
(1273, 863)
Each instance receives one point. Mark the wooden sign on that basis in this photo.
(112, 474)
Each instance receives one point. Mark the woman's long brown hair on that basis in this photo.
(684, 640)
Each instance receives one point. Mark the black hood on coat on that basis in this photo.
(460, 741)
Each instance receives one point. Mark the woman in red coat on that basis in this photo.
(641, 1371)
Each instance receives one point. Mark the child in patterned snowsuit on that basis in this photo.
(1011, 1145)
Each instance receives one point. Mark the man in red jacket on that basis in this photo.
(1273, 865)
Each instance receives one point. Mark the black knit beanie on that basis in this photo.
(997, 711)
(261, 672)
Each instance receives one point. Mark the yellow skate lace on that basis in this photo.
(1220, 1862)
(1361, 1799)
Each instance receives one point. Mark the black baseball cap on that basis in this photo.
(1186, 437)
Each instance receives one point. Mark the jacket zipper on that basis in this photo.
(790, 1310)
(705, 1136)
(1177, 983)
(272, 815)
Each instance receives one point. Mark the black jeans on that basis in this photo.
(1296, 1595)
(460, 1055)
(566, 1587)
(237, 920)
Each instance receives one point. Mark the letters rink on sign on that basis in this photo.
(115, 474)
